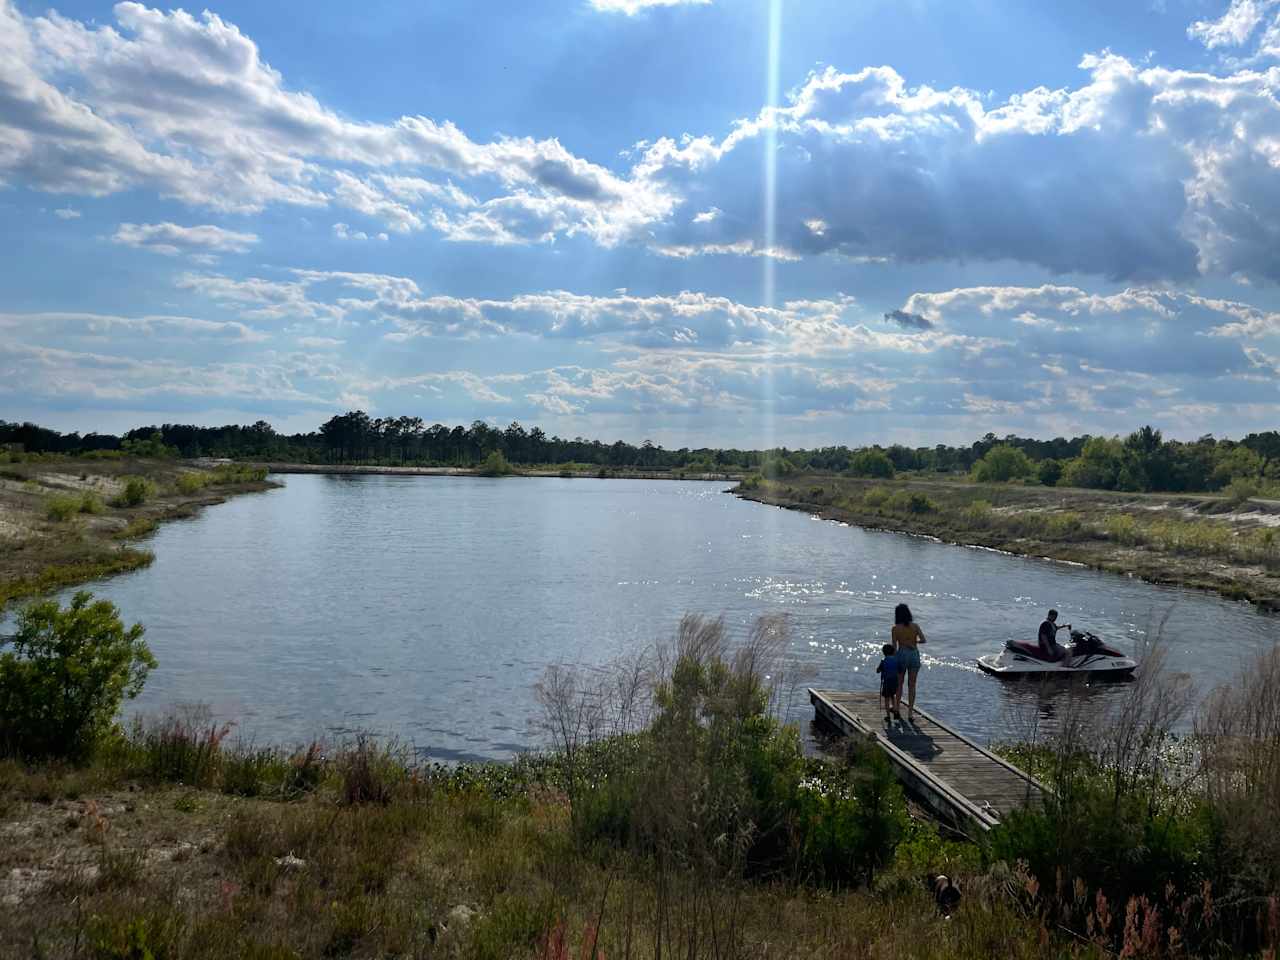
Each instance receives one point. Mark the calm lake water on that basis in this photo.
(427, 607)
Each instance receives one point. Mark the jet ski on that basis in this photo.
(1088, 655)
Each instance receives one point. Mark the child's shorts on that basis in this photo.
(889, 688)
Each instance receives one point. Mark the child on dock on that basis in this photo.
(888, 670)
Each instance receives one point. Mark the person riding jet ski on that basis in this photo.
(1049, 645)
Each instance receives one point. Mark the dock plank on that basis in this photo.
(958, 779)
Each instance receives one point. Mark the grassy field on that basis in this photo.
(64, 521)
(1196, 541)
(259, 854)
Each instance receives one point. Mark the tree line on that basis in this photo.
(1142, 461)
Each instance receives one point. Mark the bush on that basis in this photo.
(1241, 490)
(1049, 472)
(137, 491)
(62, 507)
(1122, 528)
(1001, 464)
(909, 502)
(90, 502)
(189, 483)
(775, 467)
(1067, 525)
(752, 482)
(977, 513)
(495, 465)
(62, 683)
(233, 473)
(871, 462)
(152, 446)
(876, 497)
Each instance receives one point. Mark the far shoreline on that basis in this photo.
(604, 473)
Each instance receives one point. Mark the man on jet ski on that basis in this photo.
(1049, 638)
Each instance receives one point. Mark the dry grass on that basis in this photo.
(1205, 542)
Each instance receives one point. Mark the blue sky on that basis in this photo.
(725, 222)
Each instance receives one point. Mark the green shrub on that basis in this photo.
(64, 679)
(495, 465)
(1067, 525)
(90, 502)
(62, 507)
(1242, 489)
(910, 502)
(137, 491)
(189, 483)
(978, 512)
(1049, 472)
(1122, 528)
(233, 473)
(152, 446)
(752, 482)
(871, 462)
(876, 497)
(775, 467)
(1000, 464)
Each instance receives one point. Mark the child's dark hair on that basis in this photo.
(887, 649)
(902, 615)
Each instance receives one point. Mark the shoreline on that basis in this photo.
(604, 473)
(40, 555)
(1086, 547)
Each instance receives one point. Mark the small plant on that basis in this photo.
(189, 483)
(137, 527)
(62, 507)
(876, 497)
(67, 672)
(1241, 490)
(1122, 528)
(137, 491)
(90, 502)
(495, 465)
(978, 512)
(752, 482)
(910, 502)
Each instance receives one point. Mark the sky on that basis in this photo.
(696, 222)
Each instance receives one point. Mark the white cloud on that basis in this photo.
(343, 232)
(1233, 27)
(172, 239)
(187, 107)
(67, 213)
(1141, 172)
(106, 326)
(632, 7)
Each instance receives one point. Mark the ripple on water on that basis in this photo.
(418, 605)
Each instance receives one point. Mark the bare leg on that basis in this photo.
(911, 698)
(897, 697)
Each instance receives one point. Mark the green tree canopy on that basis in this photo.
(64, 679)
(1001, 464)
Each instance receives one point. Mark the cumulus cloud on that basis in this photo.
(186, 106)
(908, 320)
(632, 7)
(343, 232)
(107, 326)
(1140, 172)
(67, 213)
(172, 239)
(1233, 28)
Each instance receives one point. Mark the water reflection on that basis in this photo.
(427, 607)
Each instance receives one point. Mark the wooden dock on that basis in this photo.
(956, 779)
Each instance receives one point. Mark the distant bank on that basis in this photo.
(603, 473)
(1204, 541)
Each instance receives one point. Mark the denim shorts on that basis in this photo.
(908, 659)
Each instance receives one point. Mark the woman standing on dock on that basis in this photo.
(907, 637)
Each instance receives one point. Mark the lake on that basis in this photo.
(427, 607)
